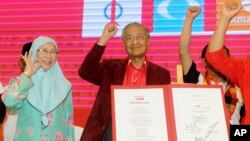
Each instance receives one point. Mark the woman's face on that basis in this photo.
(46, 56)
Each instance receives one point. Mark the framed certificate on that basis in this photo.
(169, 113)
(139, 114)
(198, 113)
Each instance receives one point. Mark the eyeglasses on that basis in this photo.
(137, 38)
(45, 51)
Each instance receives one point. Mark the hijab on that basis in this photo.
(50, 86)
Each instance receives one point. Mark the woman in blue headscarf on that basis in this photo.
(42, 95)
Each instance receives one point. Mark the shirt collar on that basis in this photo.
(145, 63)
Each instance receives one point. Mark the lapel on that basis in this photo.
(150, 74)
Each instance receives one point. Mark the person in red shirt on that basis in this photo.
(237, 71)
(135, 70)
(232, 94)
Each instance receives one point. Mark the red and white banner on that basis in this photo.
(97, 13)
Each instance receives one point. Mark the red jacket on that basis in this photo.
(104, 74)
(238, 71)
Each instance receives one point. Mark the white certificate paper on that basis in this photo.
(139, 115)
(199, 114)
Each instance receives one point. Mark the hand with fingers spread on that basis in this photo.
(48, 93)
(31, 66)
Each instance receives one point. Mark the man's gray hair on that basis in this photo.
(135, 24)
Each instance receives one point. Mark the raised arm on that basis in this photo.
(230, 9)
(109, 31)
(186, 59)
(91, 68)
(18, 87)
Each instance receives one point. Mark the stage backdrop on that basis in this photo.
(77, 24)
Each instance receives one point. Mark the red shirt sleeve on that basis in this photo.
(231, 68)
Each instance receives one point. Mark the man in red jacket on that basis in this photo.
(135, 70)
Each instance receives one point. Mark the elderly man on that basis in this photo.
(135, 70)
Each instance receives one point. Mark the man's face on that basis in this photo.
(136, 41)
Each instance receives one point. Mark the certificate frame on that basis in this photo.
(174, 107)
(141, 94)
(208, 92)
